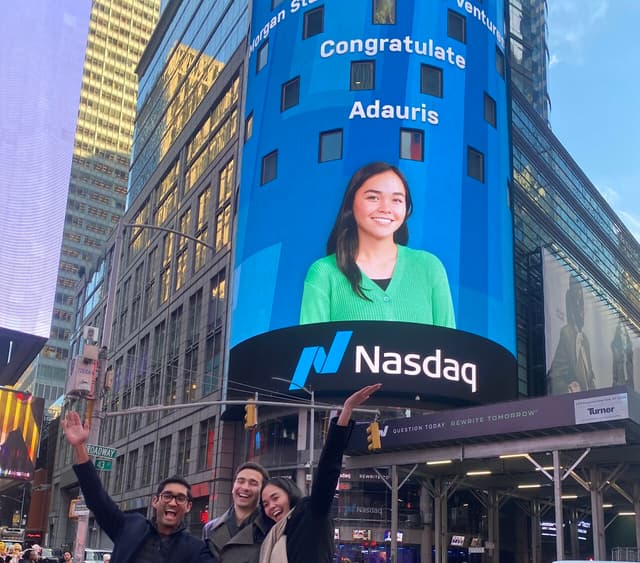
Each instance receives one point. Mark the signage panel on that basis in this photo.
(101, 451)
(589, 345)
(104, 464)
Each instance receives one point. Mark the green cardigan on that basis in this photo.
(418, 293)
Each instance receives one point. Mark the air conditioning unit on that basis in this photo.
(90, 333)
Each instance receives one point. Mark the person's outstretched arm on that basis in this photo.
(330, 463)
(107, 513)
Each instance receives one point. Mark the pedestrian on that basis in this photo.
(163, 539)
(30, 555)
(303, 531)
(236, 536)
(15, 554)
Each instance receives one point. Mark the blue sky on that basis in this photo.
(594, 84)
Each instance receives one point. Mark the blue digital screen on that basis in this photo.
(348, 104)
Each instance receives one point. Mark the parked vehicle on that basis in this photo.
(93, 555)
(50, 555)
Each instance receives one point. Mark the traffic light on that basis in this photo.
(373, 437)
(250, 416)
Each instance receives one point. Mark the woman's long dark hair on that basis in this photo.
(343, 239)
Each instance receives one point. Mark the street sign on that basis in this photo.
(101, 451)
(104, 464)
(77, 507)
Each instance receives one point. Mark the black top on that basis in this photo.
(309, 530)
(131, 533)
(384, 283)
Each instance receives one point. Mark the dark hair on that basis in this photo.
(174, 479)
(256, 467)
(343, 239)
(292, 490)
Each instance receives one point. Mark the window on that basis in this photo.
(263, 55)
(431, 80)
(384, 11)
(362, 75)
(489, 110)
(500, 62)
(132, 470)
(119, 473)
(213, 363)
(330, 145)
(181, 269)
(269, 167)
(248, 127)
(313, 22)
(457, 26)
(190, 378)
(217, 301)
(205, 444)
(200, 251)
(290, 94)
(193, 321)
(223, 227)
(475, 164)
(225, 182)
(164, 457)
(412, 144)
(184, 449)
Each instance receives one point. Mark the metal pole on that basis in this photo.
(22, 504)
(557, 501)
(438, 518)
(636, 518)
(312, 436)
(394, 513)
(597, 514)
(94, 406)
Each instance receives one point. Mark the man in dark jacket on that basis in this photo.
(236, 536)
(163, 539)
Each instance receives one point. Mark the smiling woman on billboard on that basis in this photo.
(369, 273)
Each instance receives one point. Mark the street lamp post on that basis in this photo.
(312, 420)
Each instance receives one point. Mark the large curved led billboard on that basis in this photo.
(374, 234)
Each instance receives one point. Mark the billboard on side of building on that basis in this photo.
(588, 344)
(20, 425)
(374, 234)
(43, 46)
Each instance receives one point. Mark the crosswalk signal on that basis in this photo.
(250, 416)
(373, 437)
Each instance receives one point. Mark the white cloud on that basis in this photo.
(571, 23)
(631, 221)
(610, 194)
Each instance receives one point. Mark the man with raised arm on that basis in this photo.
(163, 539)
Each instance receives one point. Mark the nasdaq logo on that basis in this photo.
(321, 361)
